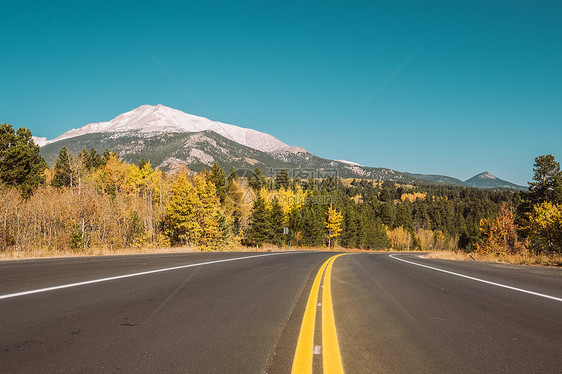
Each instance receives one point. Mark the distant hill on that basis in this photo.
(487, 180)
(170, 138)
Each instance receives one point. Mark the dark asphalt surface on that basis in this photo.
(244, 316)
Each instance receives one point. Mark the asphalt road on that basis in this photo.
(243, 313)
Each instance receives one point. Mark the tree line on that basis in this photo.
(93, 200)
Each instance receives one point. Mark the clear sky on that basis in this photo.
(456, 87)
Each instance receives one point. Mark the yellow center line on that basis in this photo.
(302, 362)
(331, 356)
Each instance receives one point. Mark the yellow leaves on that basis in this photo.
(112, 177)
(287, 198)
(193, 212)
(545, 227)
(545, 216)
(500, 234)
(412, 197)
(400, 238)
(333, 222)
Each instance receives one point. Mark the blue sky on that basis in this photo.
(480, 86)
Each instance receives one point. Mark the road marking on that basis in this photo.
(302, 362)
(331, 358)
(479, 280)
(317, 349)
(47, 289)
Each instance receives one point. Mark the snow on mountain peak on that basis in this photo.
(149, 120)
(487, 175)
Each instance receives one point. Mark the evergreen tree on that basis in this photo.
(63, 170)
(282, 180)
(21, 164)
(142, 162)
(259, 228)
(277, 223)
(95, 160)
(256, 180)
(547, 185)
(231, 176)
(217, 177)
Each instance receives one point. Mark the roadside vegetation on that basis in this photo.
(94, 203)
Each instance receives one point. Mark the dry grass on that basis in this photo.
(37, 253)
(520, 259)
(44, 253)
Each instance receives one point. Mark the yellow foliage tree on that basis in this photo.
(545, 227)
(193, 212)
(500, 234)
(333, 224)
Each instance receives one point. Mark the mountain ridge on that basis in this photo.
(171, 138)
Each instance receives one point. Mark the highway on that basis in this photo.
(278, 313)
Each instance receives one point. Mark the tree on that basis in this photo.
(180, 211)
(256, 180)
(63, 170)
(217, 177)
(282, 180)
(545, 228)
(333, 224)
(547, 185)
(193, 213)
(500, 234)
(277, 223)
(231, 176)
(21, 164)
(259, 228)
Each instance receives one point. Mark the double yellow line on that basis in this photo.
(331, 357)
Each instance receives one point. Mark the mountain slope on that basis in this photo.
(150, 120)
(169, 138)
(487, 180)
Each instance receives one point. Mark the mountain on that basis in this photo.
(170, 138)
(487, 180)
(149, 120)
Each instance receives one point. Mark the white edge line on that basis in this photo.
(479, 280)
(8, 296)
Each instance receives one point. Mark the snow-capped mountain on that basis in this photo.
(170, 138)
(150, 120)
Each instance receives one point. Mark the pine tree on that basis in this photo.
(277, 223)
(259, 228)
(217, 177)
(63, 176)
(547, 185)
(256, 180)
(282, 180)
(231, 176)
(21, 164)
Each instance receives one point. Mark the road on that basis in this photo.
(248, 313)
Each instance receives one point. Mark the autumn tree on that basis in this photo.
(193, 213)
(500, 234)
(333, 224)
(545, 228)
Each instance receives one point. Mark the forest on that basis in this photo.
(96, 201)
